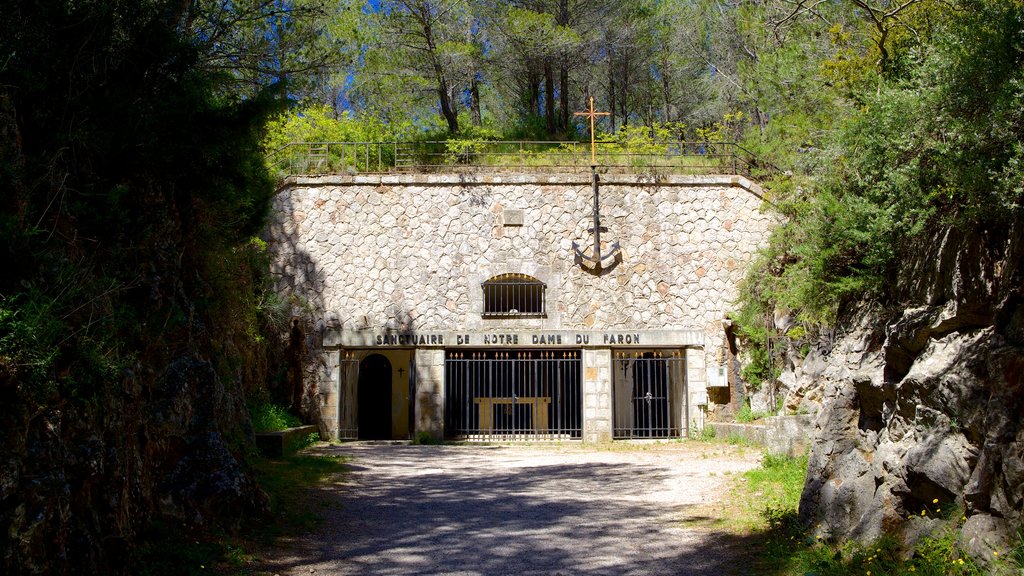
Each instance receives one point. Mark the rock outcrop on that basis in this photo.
(79, 481)
(922, 404)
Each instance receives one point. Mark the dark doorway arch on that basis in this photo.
(374, 398)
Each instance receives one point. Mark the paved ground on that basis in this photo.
(488, 510)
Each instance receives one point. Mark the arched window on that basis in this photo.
(513, 296)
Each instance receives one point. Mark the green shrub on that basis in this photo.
(300, 443)
(746, 414)
(1016, 555)
(919, 152)
(739, 440)
(267, 417)
(704, 434)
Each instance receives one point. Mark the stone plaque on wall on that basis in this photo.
(513, 217)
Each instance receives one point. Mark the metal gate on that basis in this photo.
(348, 407)
(649, 394)
(513, 394)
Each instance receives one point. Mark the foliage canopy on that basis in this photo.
(932, 140)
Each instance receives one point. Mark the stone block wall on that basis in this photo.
(597, 395)
(696, 385)
(407, 252)
(429, 405)
(327, 395)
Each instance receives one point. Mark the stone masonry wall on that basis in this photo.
(410, 252)
(597, 394)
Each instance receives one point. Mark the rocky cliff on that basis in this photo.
(80, 481)
(922, 401)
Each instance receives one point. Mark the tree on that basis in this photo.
(259, 42)
(132, 182)
(420, 46)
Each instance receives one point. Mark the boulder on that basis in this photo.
(984, 537)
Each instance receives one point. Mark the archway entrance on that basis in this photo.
(374, 398)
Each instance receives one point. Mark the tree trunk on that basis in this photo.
(563, 89)
(294, 353)
(549, 95)
(666, 94)
(474, 100)
(443, 95)
(474, 89)
(446, 106)
(625, 91)
(611, 90)
(563, 71)
(534, 91)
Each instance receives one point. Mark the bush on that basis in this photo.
(747, 415)
(267, 417)
(300, 443)
(918, 153)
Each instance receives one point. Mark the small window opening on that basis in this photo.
(513, 296)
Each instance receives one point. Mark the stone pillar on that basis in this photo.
(429, 407)
(327, 385)
(696, 387)
(597, 395)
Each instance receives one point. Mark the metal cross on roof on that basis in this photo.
(592, 115)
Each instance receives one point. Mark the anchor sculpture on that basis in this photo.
(596, 258)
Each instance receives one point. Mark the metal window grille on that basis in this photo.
(650, 394)
(513, 296)
(509, 395)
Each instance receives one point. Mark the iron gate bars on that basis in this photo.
(649, 393)
(507, 395)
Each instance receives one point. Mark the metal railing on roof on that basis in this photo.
(673, 157)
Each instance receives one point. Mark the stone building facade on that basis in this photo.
(393, 273)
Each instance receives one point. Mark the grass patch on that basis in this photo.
(174, 549)
(770, 491)
(427, 439)
(705, 434)
(936, 555)
(738, 440)
(286, 482)
(746, 415)
(763, 505)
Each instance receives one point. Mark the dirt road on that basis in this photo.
(488, 510)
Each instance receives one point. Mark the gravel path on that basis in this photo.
(552, 510)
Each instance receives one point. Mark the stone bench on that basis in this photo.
(276, 444)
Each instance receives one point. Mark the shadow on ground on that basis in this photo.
(480, 511)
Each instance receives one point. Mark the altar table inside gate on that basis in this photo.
(538, 410)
